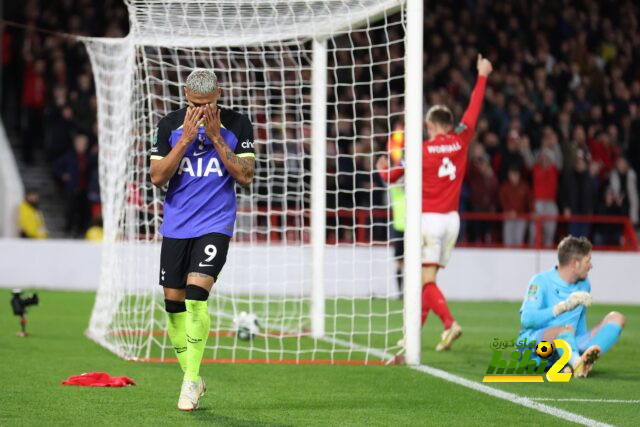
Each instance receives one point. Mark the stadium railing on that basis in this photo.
(628, 241)
(370, 226)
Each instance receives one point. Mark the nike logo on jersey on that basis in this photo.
(205, 265)
(198, 154)
(199, 169)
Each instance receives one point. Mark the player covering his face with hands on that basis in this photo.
(201, 151)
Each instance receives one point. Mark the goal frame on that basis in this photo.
(413, 154)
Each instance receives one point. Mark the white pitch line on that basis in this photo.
(510, 397)
(576, 399)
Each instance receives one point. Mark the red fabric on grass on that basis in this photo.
(98, 379)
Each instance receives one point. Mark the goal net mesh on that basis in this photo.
(262, 53)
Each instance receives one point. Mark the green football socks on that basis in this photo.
(176, 328)
(197, 325)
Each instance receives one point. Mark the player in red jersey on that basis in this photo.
(443, 168)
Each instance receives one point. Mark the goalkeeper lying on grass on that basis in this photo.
(555, 306)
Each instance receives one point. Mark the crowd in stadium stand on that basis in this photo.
(559, 132)
(48, 99)
(560, 120)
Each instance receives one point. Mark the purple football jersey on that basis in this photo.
(201, 197)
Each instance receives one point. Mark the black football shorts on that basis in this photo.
(179, 257)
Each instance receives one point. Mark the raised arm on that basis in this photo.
(470, 117)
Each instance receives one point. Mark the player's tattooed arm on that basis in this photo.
(246, 164)
(240, 168)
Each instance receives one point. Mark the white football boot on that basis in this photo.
(449, 336)
(190, 393)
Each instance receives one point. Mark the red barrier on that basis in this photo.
(630, 240)
(356, 226)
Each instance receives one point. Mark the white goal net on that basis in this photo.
(263, 54)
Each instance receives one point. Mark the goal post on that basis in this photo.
(324, 84)
(413, 174)
(318, 184)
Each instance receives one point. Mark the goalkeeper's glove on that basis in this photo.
(574, 300)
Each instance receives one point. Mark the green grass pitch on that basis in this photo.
(32, 368)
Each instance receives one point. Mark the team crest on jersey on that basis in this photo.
(533, 290)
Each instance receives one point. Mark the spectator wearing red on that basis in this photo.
(515, 199)
(545, 191)
(603, 152)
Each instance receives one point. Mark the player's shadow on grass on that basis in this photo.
(210, 416)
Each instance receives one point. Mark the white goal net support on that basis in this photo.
(312, 256)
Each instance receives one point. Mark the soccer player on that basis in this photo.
(201, 150)
(443, 169)
(555, 306)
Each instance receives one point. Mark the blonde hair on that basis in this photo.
(440, 115)
(202, 81)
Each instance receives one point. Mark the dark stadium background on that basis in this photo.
(562, 108)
